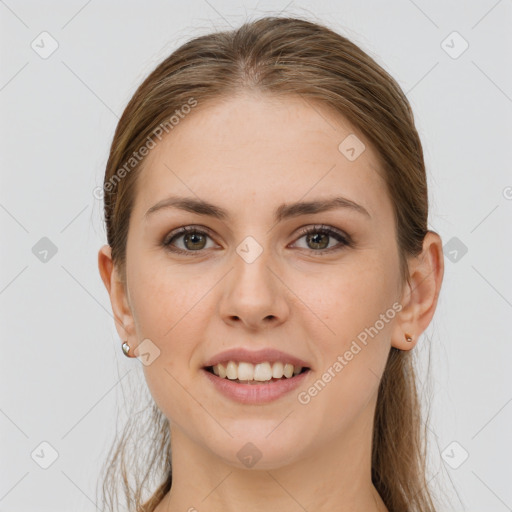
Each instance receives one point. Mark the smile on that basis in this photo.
(255, 384)
(254, 373)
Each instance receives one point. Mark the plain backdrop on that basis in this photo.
(67, 71)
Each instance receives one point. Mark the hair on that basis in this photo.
(284, 57)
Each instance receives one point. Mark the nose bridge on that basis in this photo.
(252, 261)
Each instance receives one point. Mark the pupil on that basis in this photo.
(314, 239)
(194, 238)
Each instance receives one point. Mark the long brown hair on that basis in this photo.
(296, 57)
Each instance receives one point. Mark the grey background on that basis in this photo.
(62, 371)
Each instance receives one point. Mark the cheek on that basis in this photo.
(169, 311)
(164, 301)
(356, 305)
(354, 350)
(350, 298)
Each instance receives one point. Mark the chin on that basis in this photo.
(258, 447)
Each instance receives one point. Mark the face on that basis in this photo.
(247, 278)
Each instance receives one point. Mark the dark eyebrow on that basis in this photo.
(285, 211)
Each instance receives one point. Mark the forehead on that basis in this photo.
(264, 149)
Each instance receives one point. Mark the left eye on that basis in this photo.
(318, 238)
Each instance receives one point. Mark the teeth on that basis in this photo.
(232, 370)
(245, 371)
(288, 370)
(277, 370)
(222, 371)
(261, 372)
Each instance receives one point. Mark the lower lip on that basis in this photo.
(256, 393)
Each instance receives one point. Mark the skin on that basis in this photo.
(250, 154)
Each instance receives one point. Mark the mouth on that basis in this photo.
(267, 383)
(256, 377)
(262, 373)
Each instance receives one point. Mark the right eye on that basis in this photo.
(194, 240)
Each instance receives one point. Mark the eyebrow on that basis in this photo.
(284, 211)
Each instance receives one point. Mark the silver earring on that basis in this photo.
(126, 349)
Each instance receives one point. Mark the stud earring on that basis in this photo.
(126, 349)
(408, 337)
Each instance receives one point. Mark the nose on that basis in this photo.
(254, 294)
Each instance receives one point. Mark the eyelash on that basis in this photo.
(344, 239)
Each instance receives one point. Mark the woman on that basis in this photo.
(269, 263)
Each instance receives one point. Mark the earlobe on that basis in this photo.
(421, 293)
(116, 289)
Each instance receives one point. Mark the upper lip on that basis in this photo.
(255, 356)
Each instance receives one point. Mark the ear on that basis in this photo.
(117, 290)
(420, 293)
